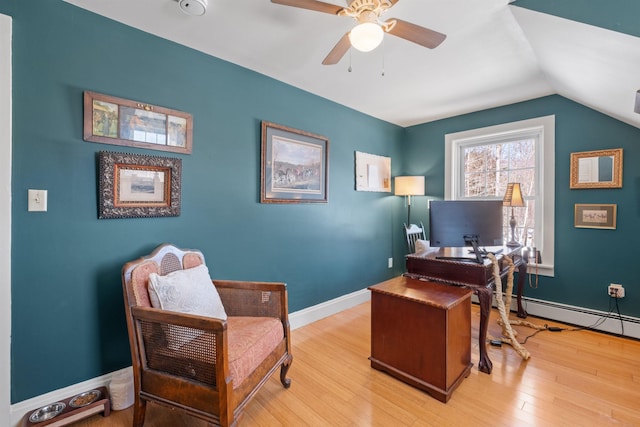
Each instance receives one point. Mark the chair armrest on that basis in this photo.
(158, 316)
(257, 299)
(189, 346)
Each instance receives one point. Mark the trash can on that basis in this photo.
(121, 389)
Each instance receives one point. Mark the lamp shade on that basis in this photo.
(366, 36)
(513, 196)
(409, 185)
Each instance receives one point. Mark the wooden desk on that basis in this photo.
(478, 277)
(421, 333)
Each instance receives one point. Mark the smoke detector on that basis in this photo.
(193, 7)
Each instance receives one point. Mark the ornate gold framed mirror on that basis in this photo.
(596, 169)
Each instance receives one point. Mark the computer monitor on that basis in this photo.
(456, 223)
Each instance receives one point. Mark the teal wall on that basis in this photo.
(67, 306)
(586, 260)
(616, 15)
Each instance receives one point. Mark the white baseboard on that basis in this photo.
(311, 314)
(549, 310)
(296, 320)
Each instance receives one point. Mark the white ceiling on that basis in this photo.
(494, 54)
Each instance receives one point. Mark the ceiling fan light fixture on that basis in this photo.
(366, 36)
(193, 7)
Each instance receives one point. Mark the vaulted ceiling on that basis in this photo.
(495, 53)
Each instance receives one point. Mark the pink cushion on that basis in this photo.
(250, 341)
(139, 280)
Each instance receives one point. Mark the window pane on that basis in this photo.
(479, 158)
(504, 155)
(474, 185)
(523, 154)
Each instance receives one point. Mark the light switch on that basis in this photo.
(37, 200)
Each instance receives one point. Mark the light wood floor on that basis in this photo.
(573, 378)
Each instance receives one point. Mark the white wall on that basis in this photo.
(5, 216)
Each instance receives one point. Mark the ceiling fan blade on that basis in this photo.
(318, 6)
(417, 34)
(338, 51)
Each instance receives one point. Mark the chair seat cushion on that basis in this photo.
(250, 340)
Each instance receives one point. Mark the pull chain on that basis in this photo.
(349, 60)
(382, 57)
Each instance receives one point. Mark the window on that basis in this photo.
(480, 163)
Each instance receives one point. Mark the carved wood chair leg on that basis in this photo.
(286, 382)
(139, 411)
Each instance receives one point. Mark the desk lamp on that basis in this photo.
(513, 199)
(409, 186)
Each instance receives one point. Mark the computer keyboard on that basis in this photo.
(484, 252)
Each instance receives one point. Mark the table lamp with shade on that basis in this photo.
(513, 198)
(409, 186)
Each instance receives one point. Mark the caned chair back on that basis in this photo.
(164, 260)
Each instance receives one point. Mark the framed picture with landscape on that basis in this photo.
(294, 166)
(117, 121)
(135, 186)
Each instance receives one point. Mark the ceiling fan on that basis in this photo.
(368, 34)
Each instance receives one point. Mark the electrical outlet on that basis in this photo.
(390, 263)
(615, 290)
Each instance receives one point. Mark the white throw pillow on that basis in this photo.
(186, 291)
(422, 246)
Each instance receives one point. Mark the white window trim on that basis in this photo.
(546, 174)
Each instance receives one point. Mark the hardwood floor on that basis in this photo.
(573, 378)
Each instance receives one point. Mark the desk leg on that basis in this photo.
(522, 273)
(484, 296)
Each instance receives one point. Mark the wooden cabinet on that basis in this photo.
(421, 333)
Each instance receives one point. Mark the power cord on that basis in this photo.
(546, 328)
(603, 318)
(619, 316)
(536, 260)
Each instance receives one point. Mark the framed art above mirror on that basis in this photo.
(596, 169)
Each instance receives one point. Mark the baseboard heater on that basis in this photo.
(580, 316)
